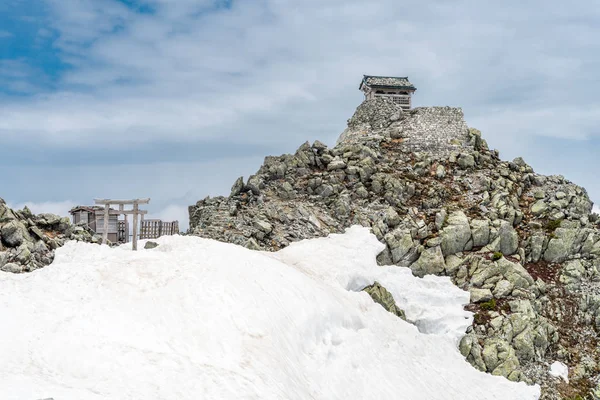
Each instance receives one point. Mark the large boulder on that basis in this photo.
(480, 229)
(564, 244)
(401, 246)
(431, 262)
(14, 233)
(456, 234)
(509, 238)
(500, 359)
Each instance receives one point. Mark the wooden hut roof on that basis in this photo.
(92, 209)
(396, 82)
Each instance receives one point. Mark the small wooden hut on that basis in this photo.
(397, 89)
(93, 216)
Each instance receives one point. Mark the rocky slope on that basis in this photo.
(28, 241)
(526, 246)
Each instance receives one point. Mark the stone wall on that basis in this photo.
(436, 130)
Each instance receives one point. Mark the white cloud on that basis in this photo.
(4, 34)
(191, 72)
(170, 186)
(174, 212)
(53, 207)
(596, 209)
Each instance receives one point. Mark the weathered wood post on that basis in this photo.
(105, 233)
(125, 234)
(135, 225)
(143, 233)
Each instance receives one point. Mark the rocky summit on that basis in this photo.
(28, 241)
(526, 246)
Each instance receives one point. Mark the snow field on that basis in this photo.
(199, 319)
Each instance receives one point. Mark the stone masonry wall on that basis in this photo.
(434, 129)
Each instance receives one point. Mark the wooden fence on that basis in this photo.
(155, 228)
(123, 232)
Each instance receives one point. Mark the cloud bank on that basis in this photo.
(53, 207)
(199, 70)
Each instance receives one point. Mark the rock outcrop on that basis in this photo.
(380, 295)
(526, 246)
(28, 241)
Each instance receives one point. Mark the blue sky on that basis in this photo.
(174, 99)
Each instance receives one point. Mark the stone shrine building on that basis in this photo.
(397, 89)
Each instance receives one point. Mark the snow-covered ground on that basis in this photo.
(199, 319)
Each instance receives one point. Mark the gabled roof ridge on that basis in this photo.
(389, 81)
(385, 76)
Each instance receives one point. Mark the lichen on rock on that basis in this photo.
(380, 295)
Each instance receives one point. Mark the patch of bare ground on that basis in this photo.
(548, 273)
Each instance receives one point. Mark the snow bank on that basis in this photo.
(199, 319)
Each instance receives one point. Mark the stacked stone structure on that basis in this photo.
(526, 246)
(437, 130)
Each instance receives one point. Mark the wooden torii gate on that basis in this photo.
(121, 203)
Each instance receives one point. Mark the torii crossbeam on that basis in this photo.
(121, 203)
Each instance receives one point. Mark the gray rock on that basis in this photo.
(37, 232)
(505, 360)
(14, 233)
(252, 244)
(479, 295)
(502, 269)
(440, 219)
(150, 245)
(466, 161)
(503, 288)
(50, 219)
(336, 164)
(319, 145)
(539, 207)
(325, 191)
(537, 243)
(430, 262)
(254, 184)
(380, 295)
(558, 249)
(470, 348)
(453, 262)
(391, 218)
(287, 191)
(572, 273)
(400, 244)
(456, 234)
(237, 187)
(440, 172)
(524, 346)
(481, 232)
(263, 226)
(509, 239)
(12, 267)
